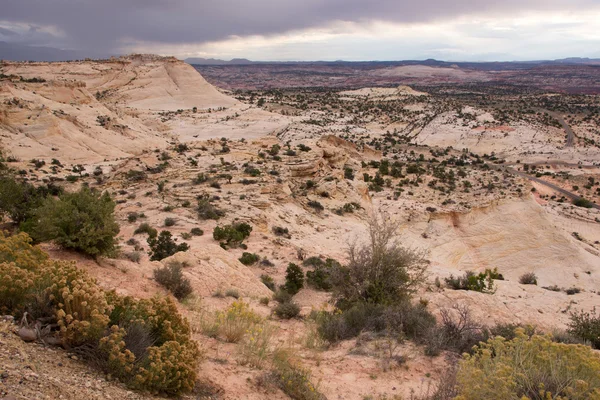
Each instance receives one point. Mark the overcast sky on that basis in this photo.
(311, 29)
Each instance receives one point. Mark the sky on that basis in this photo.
(307, 30)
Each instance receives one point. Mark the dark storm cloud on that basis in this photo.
(101, 24)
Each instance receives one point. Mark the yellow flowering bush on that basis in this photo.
(145, 343)
(81, 306)
(256, 345)
(529, 368)
(293, 379)
(235, 321)
(170, 368)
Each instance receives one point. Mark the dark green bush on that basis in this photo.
(316, 205)
(279, 231)
(171, 277)
(197, 232)
(586, 326)
(170, 221)
(585, 203)
(146, 228)
(349, 173)
(287, 310)
(232, 235)
(406, 319)
(82, 221)
(164, 246)
(320, 277)
(19, 199)
(249, 258)
(294, 279)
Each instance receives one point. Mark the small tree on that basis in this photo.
(294, 279)
(586, 326)
(232, 235)
(83, 221)
(164, 246)
(380, 271)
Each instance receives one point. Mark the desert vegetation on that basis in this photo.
(296, 290)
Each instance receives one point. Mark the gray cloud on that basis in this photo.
(103, 25)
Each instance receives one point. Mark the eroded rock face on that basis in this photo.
(211, 268)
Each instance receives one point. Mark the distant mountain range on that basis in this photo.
(19, 52)
(214, 61)
(428, 62)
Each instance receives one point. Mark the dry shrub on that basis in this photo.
(528, 278)
(256, 346)
(287, 310)
(144, 343)
(381, 271)
(171, 277)
(529, 368)
(233, 323)
(292, 378)
(457, 332)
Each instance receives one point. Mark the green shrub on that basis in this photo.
(406, 319)
(170, 221)
(171, 277)
(279, 231)
(294, 279)
(316, 205)
(287, 310)
(135, 176)
(232, 235)
(164, 246)
(586, 326)
(146, 228)
(206, 210)
(529, 368)
(482, 282)
(313, 262)
(320, 277)
(268, 281)
(585, 203)
(264, 301)
(349, 173)
(249, 258)
(82, 221)
(282, 296)
(132, 217)
(200, 178)
(380, 271)
(18, 199)
(572, 291)
(197, 232)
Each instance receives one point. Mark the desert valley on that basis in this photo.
(251, 198)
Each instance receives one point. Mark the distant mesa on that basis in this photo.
(214, 61)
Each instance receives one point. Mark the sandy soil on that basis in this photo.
(150, 103)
